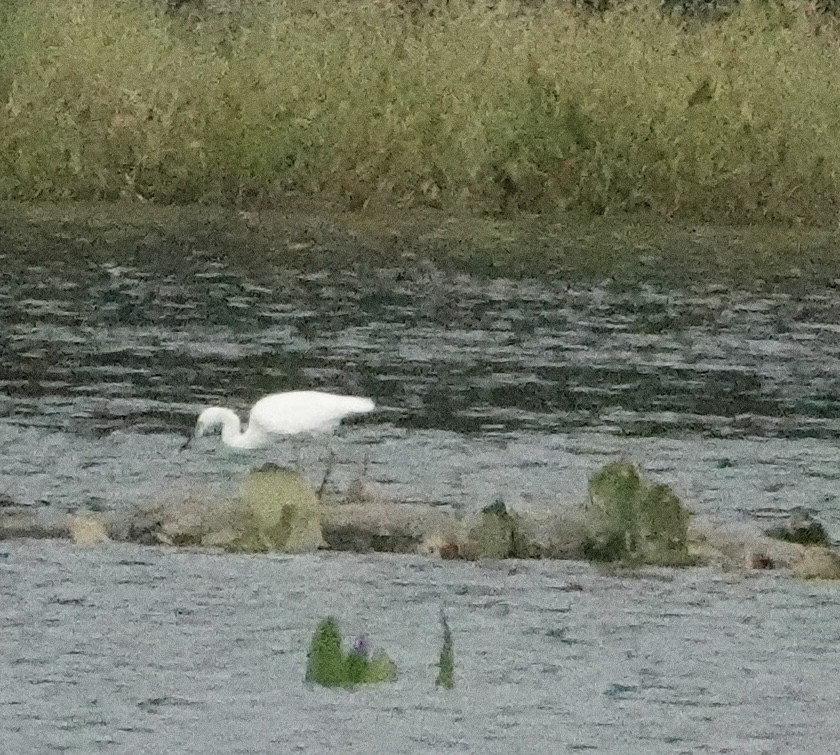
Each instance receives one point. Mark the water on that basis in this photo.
(510, 384)
(129, 649)
(489, 387)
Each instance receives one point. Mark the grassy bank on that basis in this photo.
(468, 110)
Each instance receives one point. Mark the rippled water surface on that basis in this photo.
(489, 385)
(129, 649)
(512, 385)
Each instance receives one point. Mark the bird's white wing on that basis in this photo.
(305, 411)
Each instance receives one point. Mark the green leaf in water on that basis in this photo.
(446, 674)
(325, 663)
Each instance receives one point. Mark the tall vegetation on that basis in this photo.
(446, 663)
(467, 108)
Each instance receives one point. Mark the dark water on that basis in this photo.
(489, 384)
(512, 385)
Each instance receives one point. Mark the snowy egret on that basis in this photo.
(289, 413)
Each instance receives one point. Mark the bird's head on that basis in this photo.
(207, 420)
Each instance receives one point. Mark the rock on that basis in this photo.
(449, 550)
(756, 560)
(632, 521)
(549, 534)
(418, 528)
(363, 491)
(387, 527)
(225, 537)
(175, 522)
(817, 563)
(277, 511)
(801, 528)
(740, 546)
(87, 530)
(27, 521)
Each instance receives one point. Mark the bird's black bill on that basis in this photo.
(186, 443)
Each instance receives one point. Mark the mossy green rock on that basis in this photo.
(632, 521)
(278, 510)
(802, 528)
(492, 534)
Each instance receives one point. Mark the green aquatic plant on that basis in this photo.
(328, 665)
(633, 522)
(446, 664)
(325, 661)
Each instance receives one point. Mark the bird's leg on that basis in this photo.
(296, 445)
(329, 469)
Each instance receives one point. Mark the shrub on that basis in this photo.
(278, 510)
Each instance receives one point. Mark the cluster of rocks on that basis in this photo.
(624, 521)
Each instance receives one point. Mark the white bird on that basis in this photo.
(287, 413)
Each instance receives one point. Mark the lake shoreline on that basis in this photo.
(302, 230)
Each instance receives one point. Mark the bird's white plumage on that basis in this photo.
(287, 413)
(305, 411)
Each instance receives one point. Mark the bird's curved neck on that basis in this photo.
(232, 434)
(251, 438)
(231, 428)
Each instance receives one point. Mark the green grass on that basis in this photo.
(471, 110)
